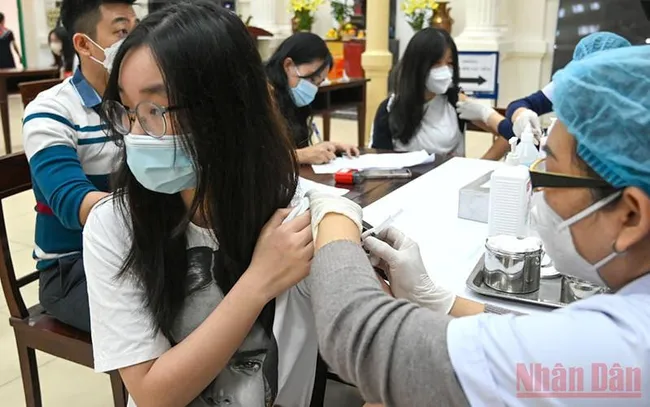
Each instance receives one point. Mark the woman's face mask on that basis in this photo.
(304, 93)
(555, 232)
(56, 48)
(439, 80)
(159, 164)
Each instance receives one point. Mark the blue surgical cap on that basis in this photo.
(604, 101)
(598, 41)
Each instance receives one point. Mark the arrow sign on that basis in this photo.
(479, 81)
(479, 73)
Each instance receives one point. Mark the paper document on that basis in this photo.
(381, 161)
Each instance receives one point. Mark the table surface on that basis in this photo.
(341, 84)
(369, 191)
(9, 72)
(450, 246)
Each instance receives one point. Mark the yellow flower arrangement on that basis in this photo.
(332, 34)
(303, 12)
(304, 5)
(416, 11)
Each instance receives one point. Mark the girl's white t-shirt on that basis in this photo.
(265, 371)
(438, 132)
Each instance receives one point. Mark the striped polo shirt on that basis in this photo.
(69, 156)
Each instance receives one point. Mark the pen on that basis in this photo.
(316, 132)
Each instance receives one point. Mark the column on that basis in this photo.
(264, 14)
(377, 59)
(243, 8)
(271, 15)
(482, 31)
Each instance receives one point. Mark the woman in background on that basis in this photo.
(62, 50)
(296, 70)
(7, 42)
(426, 111)
(189, 318)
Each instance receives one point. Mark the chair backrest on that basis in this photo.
(258, 32)
(16, 178)
(29, 90)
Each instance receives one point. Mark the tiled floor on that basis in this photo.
(66, 384)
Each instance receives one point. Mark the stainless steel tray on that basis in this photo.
(552, 291)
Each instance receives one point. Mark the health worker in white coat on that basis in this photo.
(592, 211)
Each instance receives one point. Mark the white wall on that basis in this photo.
(323, 19)
(36, 30)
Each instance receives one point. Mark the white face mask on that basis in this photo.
(56, 48)
(109, 54)
(439, 80)
(558, 241)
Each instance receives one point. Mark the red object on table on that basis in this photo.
(347, 177)
(352, 51)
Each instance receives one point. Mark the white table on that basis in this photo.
(450, 246)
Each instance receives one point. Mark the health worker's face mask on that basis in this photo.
(109, 54)
(558, 241)
(304, 93)
(439, 80)
(159, 164)
(56, 48)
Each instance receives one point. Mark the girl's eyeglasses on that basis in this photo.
(540, 178)
(151, 116)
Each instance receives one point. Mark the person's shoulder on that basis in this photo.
(109, 218)
(389, 102)
(56, 99)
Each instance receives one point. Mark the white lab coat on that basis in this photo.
(585, 343)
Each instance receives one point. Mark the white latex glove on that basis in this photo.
(473, 111)
(321, 204)
(524, 118)
(400, 258)
(302, 206)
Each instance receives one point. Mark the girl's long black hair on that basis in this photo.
(236, 138)
(425, 49)
(302, 48)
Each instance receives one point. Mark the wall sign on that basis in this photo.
(479, 73)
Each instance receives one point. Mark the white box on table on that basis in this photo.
(474, 199)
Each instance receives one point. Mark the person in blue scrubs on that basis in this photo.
(527, 110)
(592, 212)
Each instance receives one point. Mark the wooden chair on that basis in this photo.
(29, 90)
(33, 328)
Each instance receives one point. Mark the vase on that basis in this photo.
(441, 17)
(294, 25)
(302, 21)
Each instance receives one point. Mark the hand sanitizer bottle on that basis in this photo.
(526, 150)
(510, 195)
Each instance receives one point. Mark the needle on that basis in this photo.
(382, 226)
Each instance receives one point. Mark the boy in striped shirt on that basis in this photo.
(70, 156)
